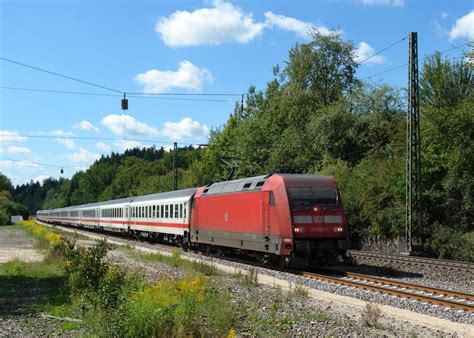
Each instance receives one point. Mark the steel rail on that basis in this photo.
(399, 293)
(439, 263)
(411, 286)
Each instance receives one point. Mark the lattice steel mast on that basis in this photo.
(413, 153)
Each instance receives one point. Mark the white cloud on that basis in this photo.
(221, 23)
(132, 127)
(127, 144)
(364, 51)
(391, 3)
(17, 150)
(41, 178)
(59, 132)
(188, 76)
(463, 28)
(87, 126)
(103, 147)
(83, 156)
(301, 28)
(20, 165)
(9, 136)
(67, 142)
(185, 129)
(444, 14)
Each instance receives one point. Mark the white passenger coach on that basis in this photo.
(162, 215)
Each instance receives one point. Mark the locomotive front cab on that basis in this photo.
(318, 221)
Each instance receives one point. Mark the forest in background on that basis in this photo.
(316, 115)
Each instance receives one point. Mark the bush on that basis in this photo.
(371, 315)
(447, 243)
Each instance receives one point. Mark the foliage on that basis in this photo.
(8, 207)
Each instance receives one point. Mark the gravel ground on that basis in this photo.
(270, 311)
(38, 326)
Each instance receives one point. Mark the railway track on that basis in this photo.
(440, 297)
(412, 260)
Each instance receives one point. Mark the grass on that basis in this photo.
(175, 260)
(298, 291)
(31, 287)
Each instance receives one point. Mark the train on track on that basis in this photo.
(279, 218)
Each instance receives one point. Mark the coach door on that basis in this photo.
(266, 215)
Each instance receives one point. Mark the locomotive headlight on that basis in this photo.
(316, 209)
(300, 229)
(338, 229)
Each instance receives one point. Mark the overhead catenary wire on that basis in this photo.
(60, 75)
(52, 91)
(95, 138)
(406, 64)
(383, 49)
(40, 164)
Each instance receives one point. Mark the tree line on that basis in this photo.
(316, 115)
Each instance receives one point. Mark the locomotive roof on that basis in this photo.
(242, 184)
(256, 183)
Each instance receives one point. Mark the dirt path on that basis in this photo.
(16, 244)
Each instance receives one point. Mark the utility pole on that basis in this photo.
(413, 144)
(175, 168)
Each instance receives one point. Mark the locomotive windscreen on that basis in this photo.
(313, 196)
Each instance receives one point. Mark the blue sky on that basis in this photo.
(175, 47)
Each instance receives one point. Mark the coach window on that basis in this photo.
(166, 210)
(171, 211)
(154, 211)
(149, 211)
(185, 207)
(176, 211)
(162, 211)
(181, 210)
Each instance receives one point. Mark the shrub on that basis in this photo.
(371, 314)
(448, 243)
(85, 267)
